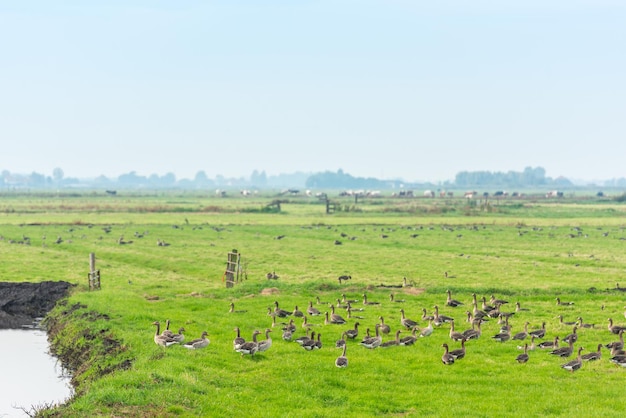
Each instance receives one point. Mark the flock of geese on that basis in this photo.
(492, 310)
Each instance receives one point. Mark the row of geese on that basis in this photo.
(476, 317)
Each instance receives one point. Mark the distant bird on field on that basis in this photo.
(344, 278)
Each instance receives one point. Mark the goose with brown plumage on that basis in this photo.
(440, 319)
(249, 347)
(582, 324)
(564, 351)
(594, 355)
(565, 322)
(409, 339)
(452, 302)
(265, 344)
(446, 358)
(617, 344)
(372, 342)
(523, 334)
(238, 339)
(574, 365)
(523, 358)
(615, 329)
(455, 335)
(342, 341)
(561, 303)
(160, 339)
(406, 322)
(384, 328)
(393, 342)
(539, 333)
(459, 353)
(549, 344)
(312, 310)
(366, 302)
(342, 360)
(198, 343)
(281, 313)
(573, 337)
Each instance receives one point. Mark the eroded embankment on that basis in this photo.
(21, 304)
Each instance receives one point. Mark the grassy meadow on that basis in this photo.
(527, 251)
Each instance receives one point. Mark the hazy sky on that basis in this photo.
(417, 90)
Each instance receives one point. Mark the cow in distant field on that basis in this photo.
(554, 193)
(470, 194)
(429, 193)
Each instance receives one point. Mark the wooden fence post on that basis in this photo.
(93, 275)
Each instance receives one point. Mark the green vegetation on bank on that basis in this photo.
(527, 251)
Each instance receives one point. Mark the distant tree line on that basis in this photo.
(510, 180)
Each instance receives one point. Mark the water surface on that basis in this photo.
(30, 375)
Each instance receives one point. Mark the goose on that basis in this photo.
(521, 335)
(318, 342)
(281, 313)
(179, 337)
(238, 341)
(366, 302)
(617, 344)
(319, 302)
(290, 327)
(346, 300)
(167, 331)
(594, 355)
(393, 299)
(523, 358)
(342, 360)
(232, 309)
(353, 333)
(446, 358)
(441, 318)
(506, 327)
(582, 324)
(390, 343)
(497, 302)
(452, 302)
(287, 334)
(615, 329)
(407, 323)
(473, 333)
(350, 316)
(301, 340)
(201, 342)
(409, 339)
(249, 347)
(518, 307)
(564, 351)
(305, 323)
(309, 345)
(539, 333)
(478, 314)
(427, 331)
(372, 342)
(459, 353)
(342, 341)
(455, 335)
(502, 337)
(550, 344)
(265, 344)
(384, 328)
(619, 360)
(615, 351)
(573, 337)
(344, 278)
(297, 312)
(528, 347)
(565, 322)
(574, 365)
(560, 303)
(426, 317)
(312, 310)
(162, 340)
(340, 306)
(349, 307)
(486, 308)
(335, 318)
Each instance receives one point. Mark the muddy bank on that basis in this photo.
(22, 303)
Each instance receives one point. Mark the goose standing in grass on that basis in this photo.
(582, 324)
(473, 333)
(179, 337)
(291, 327)
(232, 309)
(502, 337)
(617, 344)
(249, 347)
(287, 334)
(318, 342)
(425, 316)
(301, 340)
(342, 341)
(342, 360)
(372, 342)
(393, 342)
(344, 299)
(560, 303)
(522, 335)
(312, 310)
(518, 307)
(564, 351)
(406, 322)
(530, 347)
(574, 365)
(198, 343)
(565, 322)
(265, 344)
(615, 329)
(167, 332)
(409, 339)
(427, 331)
(455, 335)
(594, 355)
(497, 302)
(366, 302)
(573, 337)
(281, 313)
(446, 358)
(384, 328)
(392, 298)
(440, 319)
(309, 345)
(297, 312)
(353, 333)
(539, 333)
(459, 353)
(523, 358)
(160, 339)
(239, 340)
(334, 318)
(452, 302)
(550, 344)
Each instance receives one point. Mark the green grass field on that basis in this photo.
(523, 251)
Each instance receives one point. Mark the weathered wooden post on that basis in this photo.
(232, 268)
(93, 275)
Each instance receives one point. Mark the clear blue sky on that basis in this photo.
(391, 89)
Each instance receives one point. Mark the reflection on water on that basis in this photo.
(30, 376)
